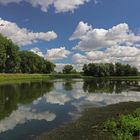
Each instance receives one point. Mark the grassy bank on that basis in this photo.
(4, 78)
(55, 76)
(25, 77)
(9, 77)
(90, 125)
(91, 77)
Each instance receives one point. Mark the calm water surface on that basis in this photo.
(28, 109)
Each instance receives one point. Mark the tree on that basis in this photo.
(119, 69)
(134, 71)
(28, 64)
(111, 69)
(13, 58)
(68, 69)
(32, 63)
(85, 69)
(108, 69)
(2, 53)
(48, 67)
(9, 56)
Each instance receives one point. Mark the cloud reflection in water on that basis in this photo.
(23, 115)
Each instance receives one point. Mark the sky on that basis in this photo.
(74, 31)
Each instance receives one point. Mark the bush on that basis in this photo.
(137, 112)
(129, 124)
(123, 136)
(110, 125)
(125, 127)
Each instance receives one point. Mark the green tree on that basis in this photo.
(32, 63)
(108, 69)
(9, 56)
(68, 69)
(27, 64)
(3, 42)
(48, 67)
(85, 69)
(13, 58)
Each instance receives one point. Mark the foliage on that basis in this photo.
(110, 125)
(109, 69)
(68, 69)
(126, 127)
(9, 56)
(32, 63)
(14, 61)
(123, 136)
(137, 112)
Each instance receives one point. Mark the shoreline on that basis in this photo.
(90, 124)
(7, 78)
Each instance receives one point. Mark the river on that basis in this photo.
(31, 108)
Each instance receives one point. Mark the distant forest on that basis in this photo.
(109, 69)
(13, 60)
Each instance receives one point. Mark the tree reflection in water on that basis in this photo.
(24, 93)
(107, 86)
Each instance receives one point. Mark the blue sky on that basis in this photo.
(63, 19)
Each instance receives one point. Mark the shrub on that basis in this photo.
(125, 127)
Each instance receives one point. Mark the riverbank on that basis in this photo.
(57, 76)
(90, 125)
(25, 77)
(14, 78)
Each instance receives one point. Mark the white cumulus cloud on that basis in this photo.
(59, 5)
(53, 54)
(57, 53)
(94, 38)
(123, 54)
(79, 58)
(23, 36)
(37, 51)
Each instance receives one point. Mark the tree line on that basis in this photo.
(109, 69)
(103, 69)
(12, 60)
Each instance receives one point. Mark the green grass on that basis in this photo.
(65, 76)
(91, 77)
(24, 77)
(90, 125)
(9, 78)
